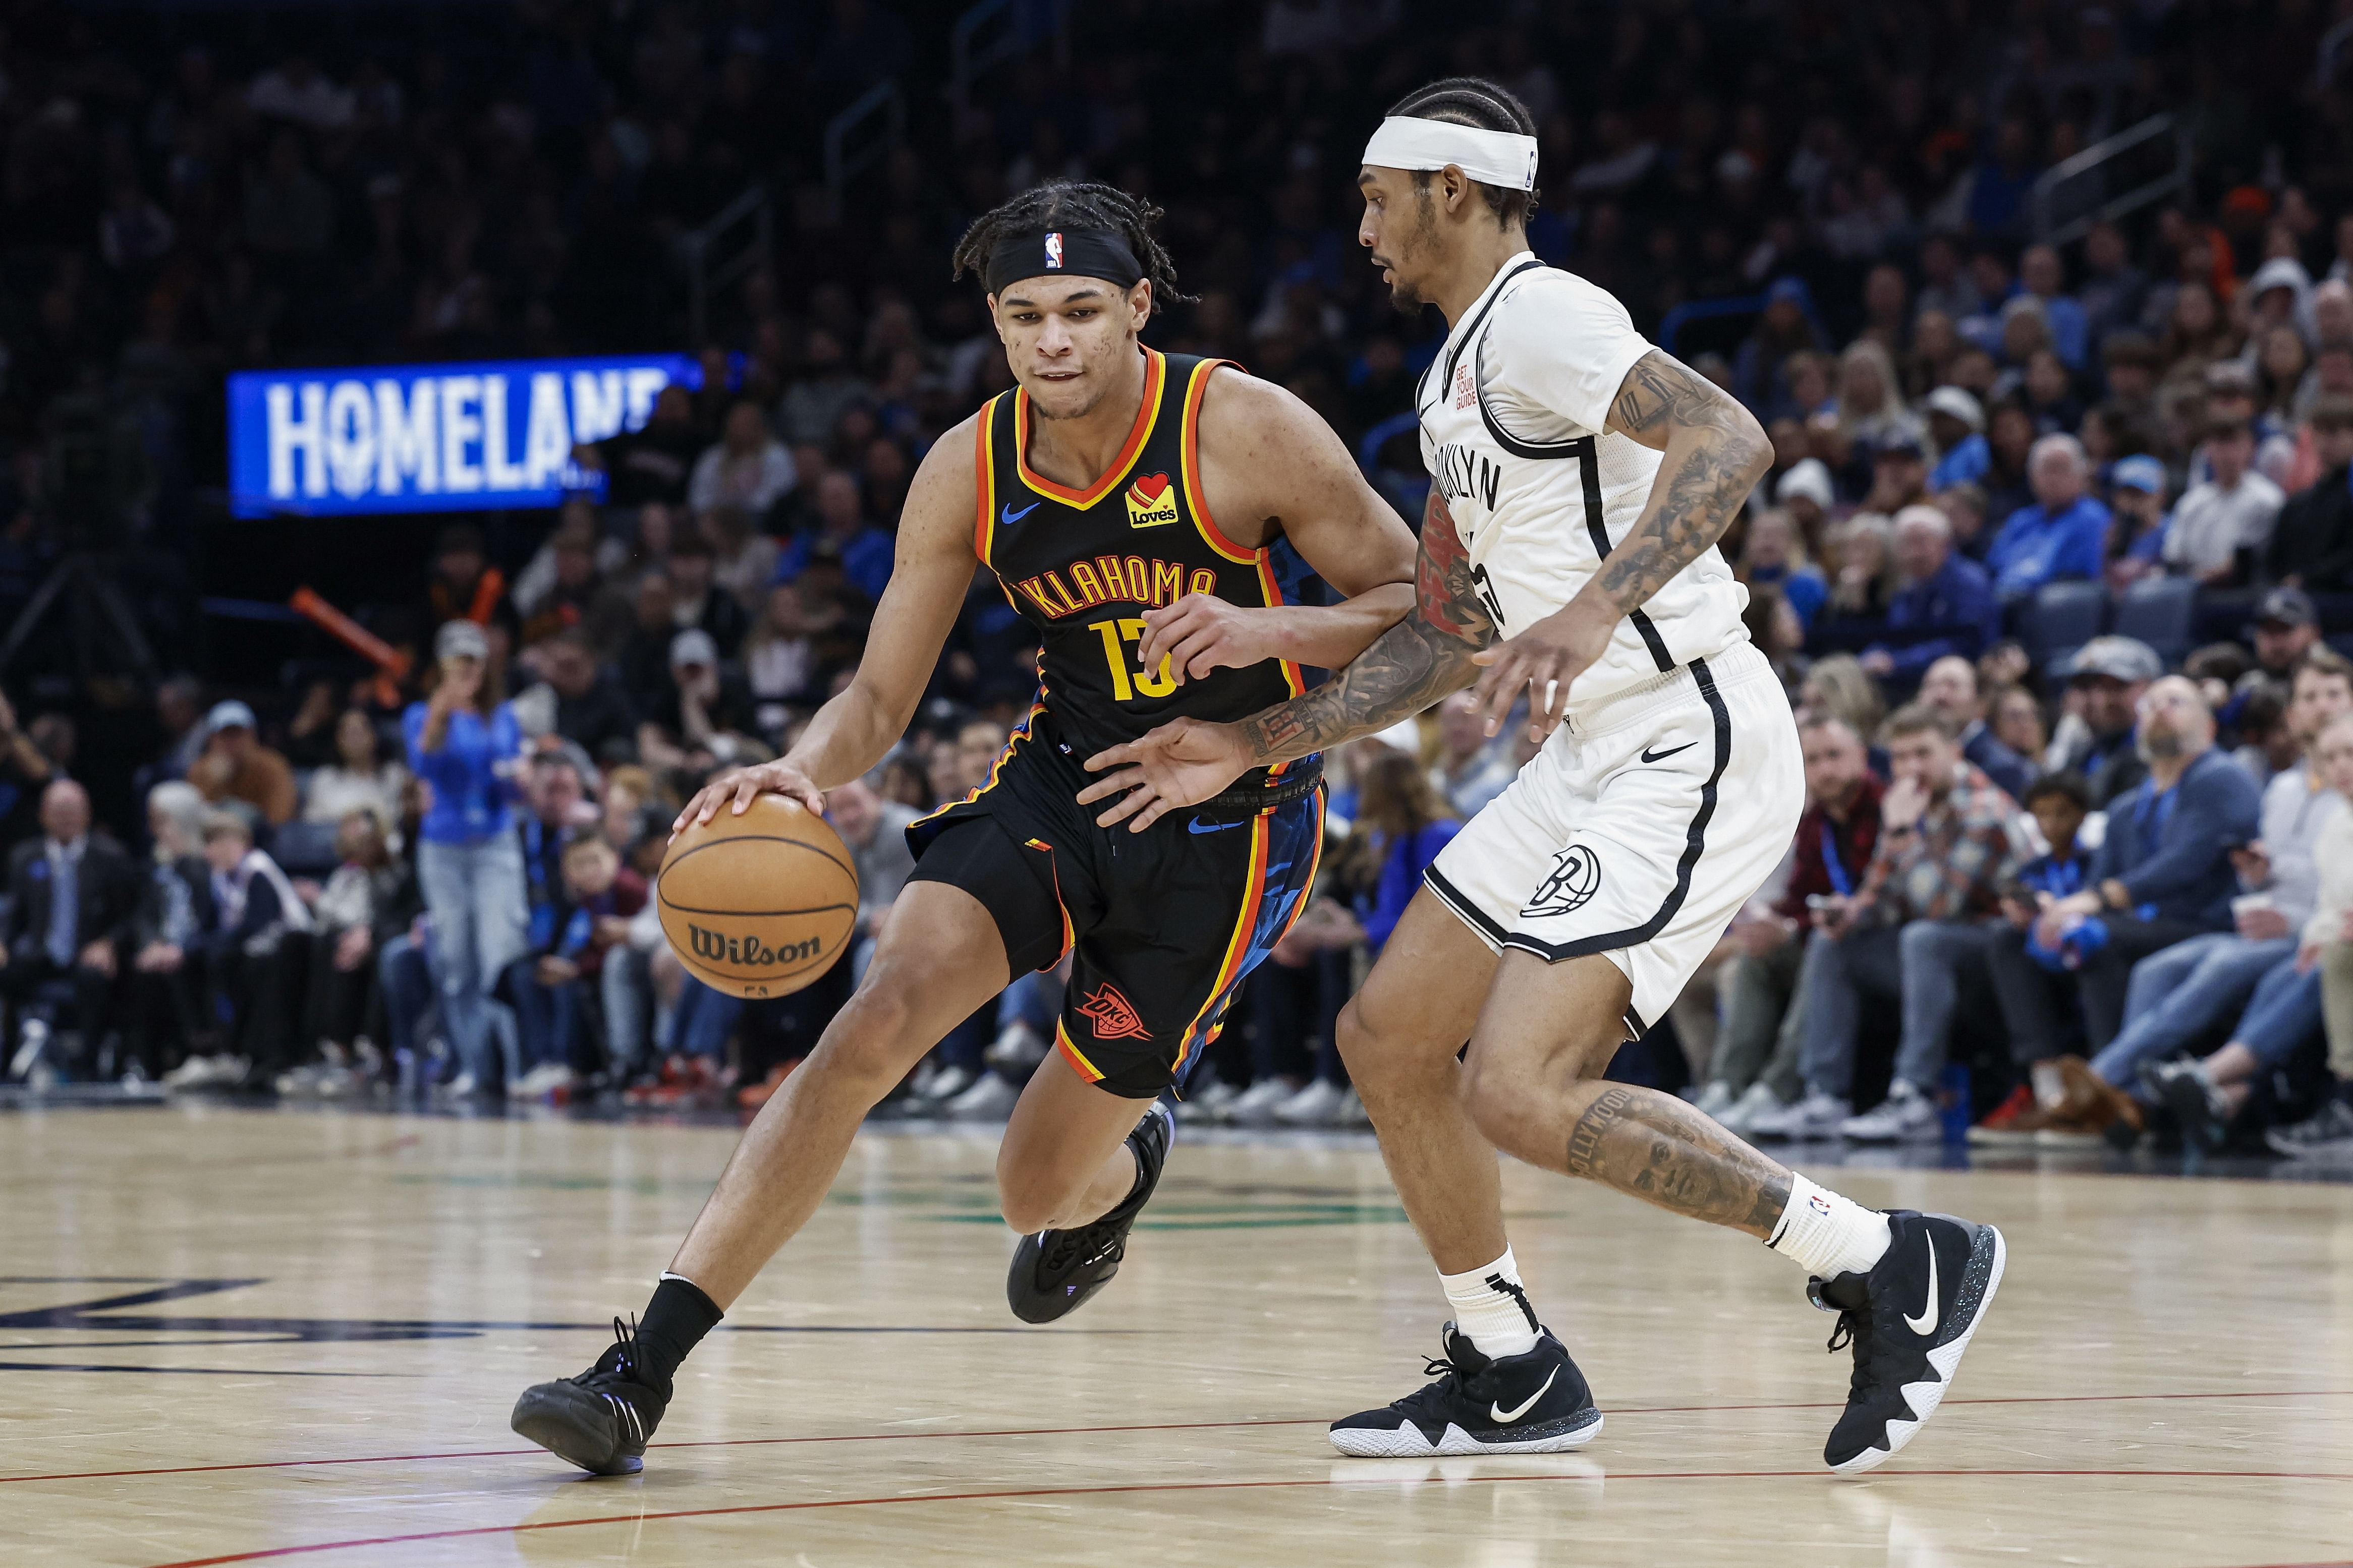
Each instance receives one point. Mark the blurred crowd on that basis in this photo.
(2017, 482)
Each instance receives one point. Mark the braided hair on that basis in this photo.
(1076, 204)
(1485, 106)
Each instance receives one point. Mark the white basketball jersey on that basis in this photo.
(1513, 414)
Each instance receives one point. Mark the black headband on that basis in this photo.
(1051, 252)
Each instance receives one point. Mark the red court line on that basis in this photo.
(264, 1553)
(1156, 1426)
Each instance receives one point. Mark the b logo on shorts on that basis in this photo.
(1574, 877)
(1113, 1015)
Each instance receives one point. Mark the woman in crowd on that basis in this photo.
(368, 897)
(167, 987)
(359, 778)
(465, 744)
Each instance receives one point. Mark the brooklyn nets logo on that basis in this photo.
(1574, 877)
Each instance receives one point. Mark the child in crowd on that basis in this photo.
(549, 986)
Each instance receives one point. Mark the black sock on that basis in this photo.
(675, 1321)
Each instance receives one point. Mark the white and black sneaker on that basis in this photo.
(1909, 1322)
(601, 1420)
(1054, 1271)
(1536, 1403)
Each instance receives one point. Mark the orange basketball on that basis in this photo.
(761, 904)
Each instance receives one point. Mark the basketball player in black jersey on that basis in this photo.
(1127, 502)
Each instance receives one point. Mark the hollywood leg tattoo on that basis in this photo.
(1654, 1147)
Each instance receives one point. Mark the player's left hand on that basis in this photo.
(1201, 632)
(1183, 763)
(1543, 660)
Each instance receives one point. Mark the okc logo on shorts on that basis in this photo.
(1053, 253)
(1113, 1015)
(1574, 877)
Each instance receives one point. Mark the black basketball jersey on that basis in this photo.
(1082, 566)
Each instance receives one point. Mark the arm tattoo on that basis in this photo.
(1713, 456)
(1413, 664)
(1654, 1147)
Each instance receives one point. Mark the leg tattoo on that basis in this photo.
(1656, 1148)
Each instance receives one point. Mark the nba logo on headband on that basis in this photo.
(1054, 253)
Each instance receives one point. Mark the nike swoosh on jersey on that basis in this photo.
(1010, 517)
(1926, 1323)
(1670, 751)
(1195, 826)
(1505, 1417)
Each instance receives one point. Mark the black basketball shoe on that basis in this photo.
(602, 1419)
(1909, 1322)
(1536, 1403)
(1055, 1271)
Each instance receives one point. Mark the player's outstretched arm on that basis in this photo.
(1268, 457)
(1413, 664)
(933, 568)
(1714, 454)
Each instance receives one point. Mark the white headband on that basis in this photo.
(1493, 157)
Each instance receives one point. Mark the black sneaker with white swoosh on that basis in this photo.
(601, 1420)
(1908, 1321)
(1536, 1403)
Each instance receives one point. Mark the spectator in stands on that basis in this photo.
(2015, 717)
(2326, 949)
(1907, 933)
(2033, 986)
(359, 779)
(2063, 535)
(1864, 577)
(1956, 426)
(2287, 626)
(1754, 1072)
(1964, 507)
(550, 982)
(698, 602)
(1837, 686)
(1950, 689)
(2107, 680)
(1774, 556)
(465, 744)
(1945, 608)
(591, 710)
(1469, 771)
(174, 908)
(464, 584)
(703, 701)
(560, 807)
(73, 898)
(2042, 277)
(652, 463)
(253, 961)
(843, 535)
(1899, 473)
(2178, 994)
(744, 559)
(179, 714)
(824, 390)
(237, 767)
(2312, 543)
(2162, 873)
(782, 662)
(2113, 287)
(369, 893)
(875, 831)
(2136, 493)
(2226, 519)
(749, 469)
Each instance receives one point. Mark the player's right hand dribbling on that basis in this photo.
(743, 785)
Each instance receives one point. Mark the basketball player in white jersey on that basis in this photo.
(1580, 478)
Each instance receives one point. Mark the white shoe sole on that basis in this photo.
(1406, 1442)
(1924, 1397)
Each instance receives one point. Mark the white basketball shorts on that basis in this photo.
(1640, 829)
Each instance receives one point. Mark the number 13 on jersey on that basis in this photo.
(1127, 684)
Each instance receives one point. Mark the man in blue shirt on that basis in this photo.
(2063, 534)
(1957, 423)
(2040, 274)
(1945, 607)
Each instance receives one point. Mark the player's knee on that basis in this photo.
(1026, 1207)
(1375, 1055)
(1497, 1098)
(869, 1039)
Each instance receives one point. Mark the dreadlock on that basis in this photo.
(1076, 204)
(1483, 105)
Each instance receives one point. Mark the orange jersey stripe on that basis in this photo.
(1238, 944)
(1189, 445)
(1071, 1053)
(1146, 416)
(983, 523)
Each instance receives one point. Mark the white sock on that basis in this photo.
(1826, 1235)
(1490, 1310)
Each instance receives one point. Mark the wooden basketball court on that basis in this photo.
(240, 1336)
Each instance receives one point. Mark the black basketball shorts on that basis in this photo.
(1166, 923)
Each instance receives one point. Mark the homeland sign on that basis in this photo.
(444, 437)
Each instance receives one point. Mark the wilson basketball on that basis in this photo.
(760, 904)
